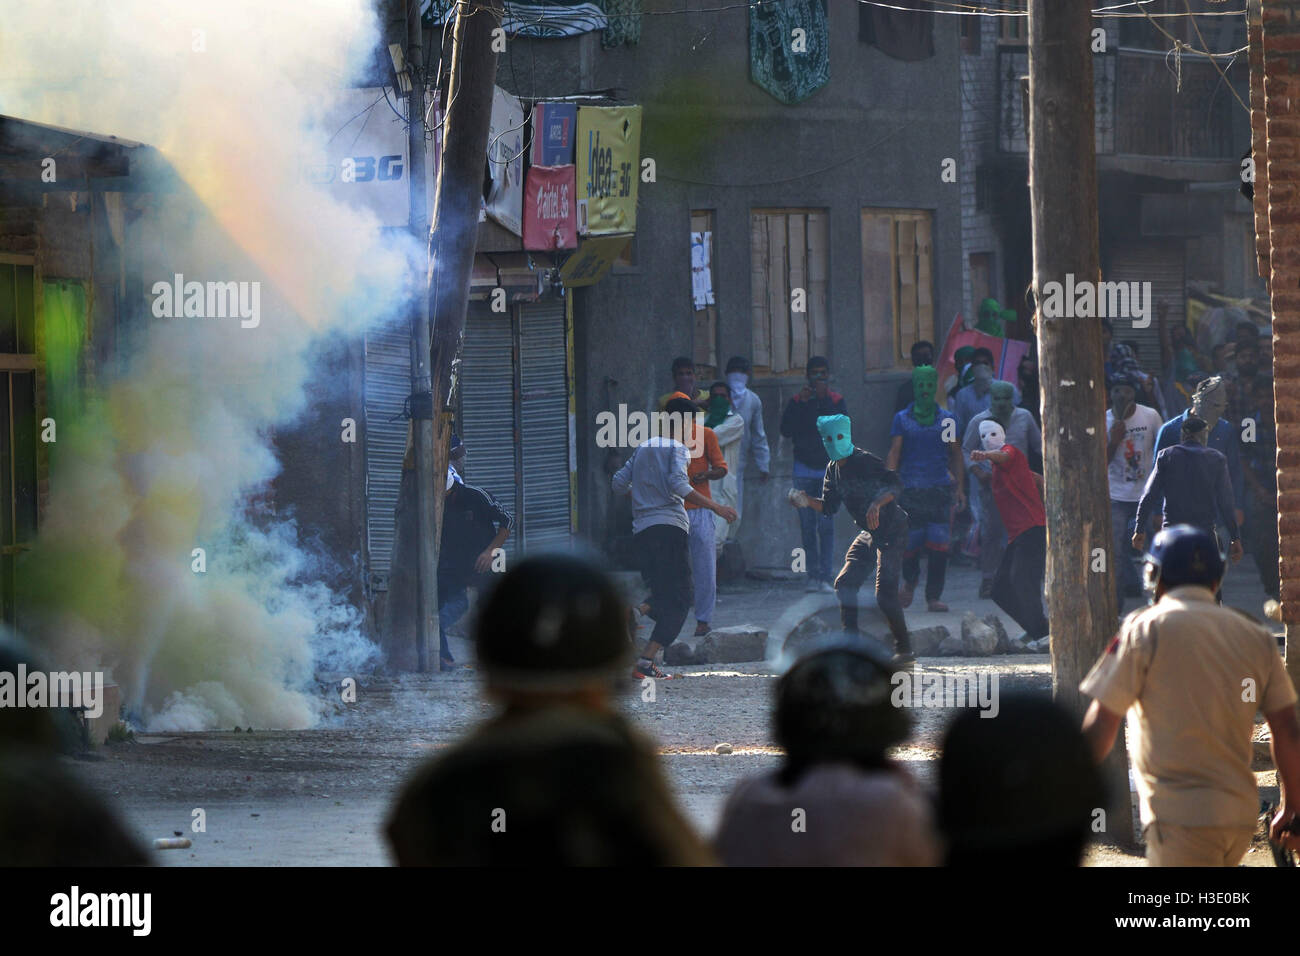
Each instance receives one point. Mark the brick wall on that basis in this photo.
(1281, 62)
(979, 139)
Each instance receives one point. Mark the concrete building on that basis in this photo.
(851, 177)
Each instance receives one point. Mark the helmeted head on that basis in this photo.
(982, 379)
(837, 435)
(834, 705)
(1183, 554)
(1002, 402)
(552, 624)
(992, 435)
(1210, 399)
(925, 382)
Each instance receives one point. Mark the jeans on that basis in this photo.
(453, 602)
(1123, 519)
(888, 559)
(818, 531)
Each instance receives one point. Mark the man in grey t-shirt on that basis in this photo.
(655, 477)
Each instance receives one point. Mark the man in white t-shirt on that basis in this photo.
(1131, 431)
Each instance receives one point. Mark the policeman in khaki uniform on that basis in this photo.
(1194, 674)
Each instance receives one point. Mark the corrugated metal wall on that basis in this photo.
(544, 409)
(1160, 262)
(388, 383)
(487, 413)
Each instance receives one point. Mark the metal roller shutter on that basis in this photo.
(388, 383)
(544, 408)
(1160, 262)
(487, 413)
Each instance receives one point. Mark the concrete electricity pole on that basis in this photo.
(426, 601)
(1063, 194)
(455, 216)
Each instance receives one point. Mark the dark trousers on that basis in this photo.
(664, 557)
(1018, 585)
(1123, 524)
(817, 531)
(453, 602)
(888, 560)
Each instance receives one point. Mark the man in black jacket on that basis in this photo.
(799, 423)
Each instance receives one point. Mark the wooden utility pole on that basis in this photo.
(427, 490)
(1063, 194)
(455, 214)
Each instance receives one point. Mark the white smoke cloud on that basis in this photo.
(169, 454)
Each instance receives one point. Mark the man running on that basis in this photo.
(1192, 674)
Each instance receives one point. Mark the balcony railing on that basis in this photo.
(1144, 106)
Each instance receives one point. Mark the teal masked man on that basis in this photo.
(869, 492)
(925, 451)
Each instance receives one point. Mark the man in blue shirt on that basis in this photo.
(1192, 480)
(924, 451)
(1208, 404)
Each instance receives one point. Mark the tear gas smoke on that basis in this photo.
(170, 447)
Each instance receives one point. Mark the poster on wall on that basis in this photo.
(505, 164)
(359, 154)
(609, 156)
(550, 209)
(554, 126)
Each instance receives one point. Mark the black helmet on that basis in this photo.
(834, 704)
(1183, 554)
(553, 622)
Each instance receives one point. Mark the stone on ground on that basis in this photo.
(926, 640)
(732, 645)
(979, 639)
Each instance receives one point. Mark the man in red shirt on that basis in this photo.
(705, 465)
(1018, 495)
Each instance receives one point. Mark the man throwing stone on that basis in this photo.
(869, 492)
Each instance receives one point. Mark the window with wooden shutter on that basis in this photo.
(897, 285)
(788, 287)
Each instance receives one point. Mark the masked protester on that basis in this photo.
(1018, 497)
(923, 450)
(729, 429)
(1209, 402)
(1192, 481)
(961, 360)
(922, 354)
(1021, 431)
(869, 492)
(799, 423)
(706, 466)
(753, 445)
(474, 526)
(1131, 431)
(976, 397)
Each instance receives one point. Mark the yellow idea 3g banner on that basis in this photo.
(608, 154)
